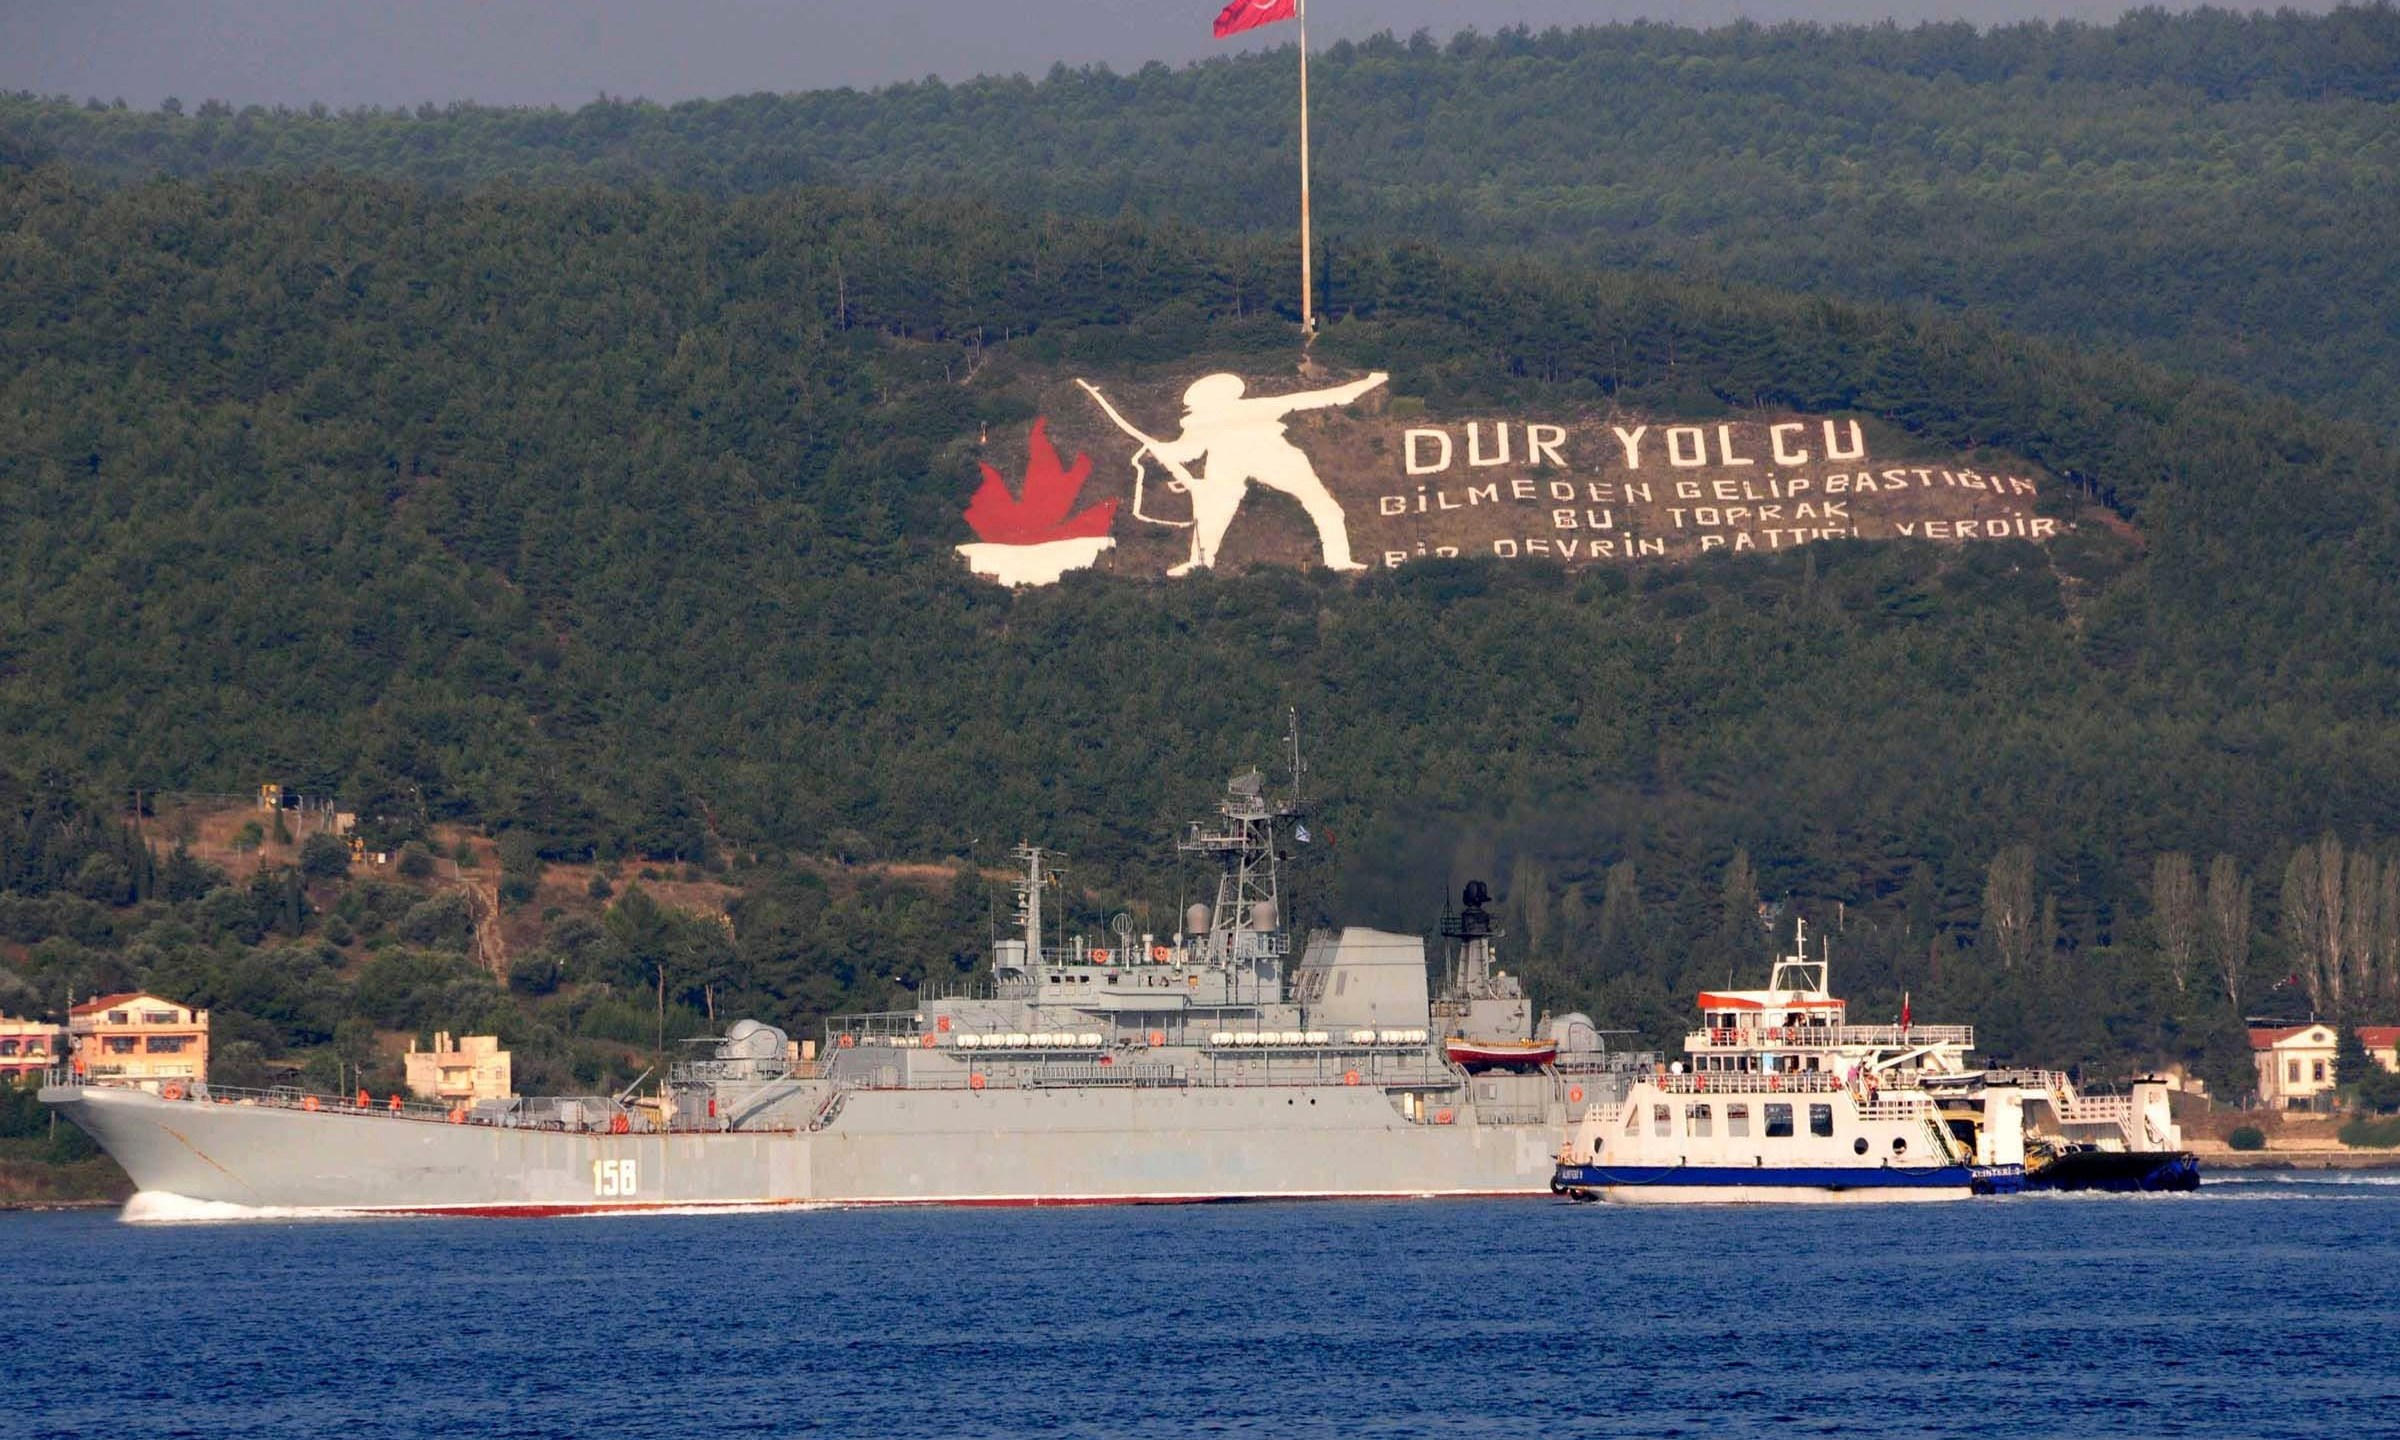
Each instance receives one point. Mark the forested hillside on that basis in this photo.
(2210, 191)
(617, 522)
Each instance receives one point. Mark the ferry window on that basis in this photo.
(1662, 1120)
(1859, 1146)
(1899, 1144)
(1737, 1120)
(1820, 1119)
(1779, 1120)
(1695, 1120)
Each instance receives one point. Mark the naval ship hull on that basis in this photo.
(883, 1148)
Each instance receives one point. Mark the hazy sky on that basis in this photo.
(566, 52)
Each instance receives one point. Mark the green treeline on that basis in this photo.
(617, 522)
(2208, 191)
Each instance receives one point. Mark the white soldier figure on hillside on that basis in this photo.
(1236, 441)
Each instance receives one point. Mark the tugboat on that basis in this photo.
(1781, 1098)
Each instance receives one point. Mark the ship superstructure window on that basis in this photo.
(1662, 1120)
(119, 1044)
(1820, 1119)
(1737, 1120)
(1696, 1120)
(1779, 1121)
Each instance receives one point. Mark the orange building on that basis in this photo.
(473, 1069)
(139, 1039)
(28, 1048)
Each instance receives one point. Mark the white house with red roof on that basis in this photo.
(2295, 1062)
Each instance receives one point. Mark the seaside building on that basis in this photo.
(474, 1068)
(2296, 1062)
(28, 1048)
(139, 1039)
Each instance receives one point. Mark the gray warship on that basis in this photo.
(1205, 1065)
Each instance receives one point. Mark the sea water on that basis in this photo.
(2258, 1307)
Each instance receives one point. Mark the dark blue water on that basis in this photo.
(2252, 1309)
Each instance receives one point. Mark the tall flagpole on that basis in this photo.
(1308, 322)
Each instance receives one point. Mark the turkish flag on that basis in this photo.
(1250, 14)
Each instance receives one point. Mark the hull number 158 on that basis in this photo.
(612, 1178)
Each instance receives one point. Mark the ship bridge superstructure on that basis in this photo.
(1796, 1026)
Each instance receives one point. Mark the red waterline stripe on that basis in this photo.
(545, 1212)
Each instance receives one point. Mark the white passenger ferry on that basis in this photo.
(1781, 1098)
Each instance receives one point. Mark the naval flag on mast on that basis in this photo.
(1250, 14)
(1241, 15)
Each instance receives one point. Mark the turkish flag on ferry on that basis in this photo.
(1250, 14)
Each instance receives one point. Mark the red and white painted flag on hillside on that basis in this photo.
(1250, 14)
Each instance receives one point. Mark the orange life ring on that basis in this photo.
(1574, 1094)
(308, 1102)
(170, 1091)
(1108, 1059)
(1774, 1082)
(1160, 955)
(1699, 1082)
(1441, 1117)
(1349, 1077)
(1158, 1037)
(847, 1041)
(942, 1023)
(974, 1082)
(925, 1042)
(1103, 957)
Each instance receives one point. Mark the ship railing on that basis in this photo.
(1626, 1062)
(1909, 1109)
(846, 1032)
(526, 1114)
(1713, 1082)
(1821, 1037)
(763, 1071)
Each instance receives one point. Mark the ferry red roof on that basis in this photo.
(1710, 1000)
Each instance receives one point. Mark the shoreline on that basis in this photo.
(2335, 1159)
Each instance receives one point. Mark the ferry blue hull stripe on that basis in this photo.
(1821, 1177)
